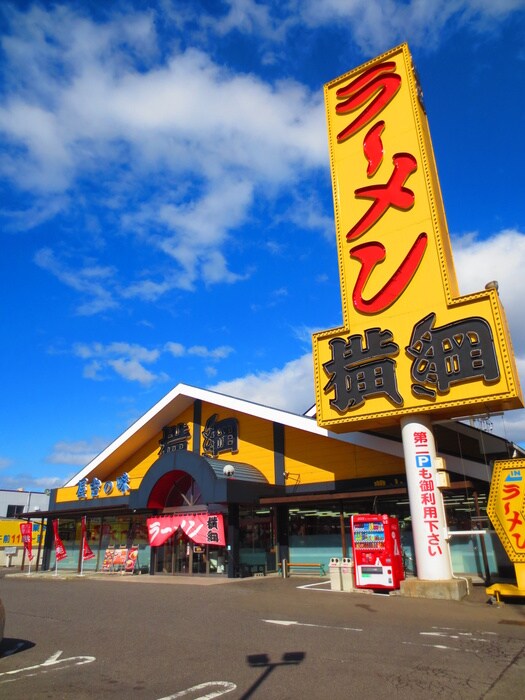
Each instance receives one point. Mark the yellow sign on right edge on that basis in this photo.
(410, 344)
(506, 506)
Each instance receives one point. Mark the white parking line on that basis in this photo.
(453, 634)
(223, 688)
(317, 584)
(54, 663)
(289, 623)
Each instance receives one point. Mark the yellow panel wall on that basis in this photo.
(255, 439)
(317, 459)
(139, 463)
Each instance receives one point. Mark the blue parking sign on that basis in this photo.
(423, 461)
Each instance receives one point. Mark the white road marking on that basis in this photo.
(289, 623)
(441, 647)
(54, 663)
(455, 636)
(316, 585)
(223, 688)
(453, 629)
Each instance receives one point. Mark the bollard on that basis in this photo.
(284, 568)
(347, 574)
(335, 574)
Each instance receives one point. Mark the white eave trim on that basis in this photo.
(164, 411)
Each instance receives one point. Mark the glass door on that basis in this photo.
(165, 557)
(183, 554)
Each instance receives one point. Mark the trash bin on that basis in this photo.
(347, 574)
(335, 574)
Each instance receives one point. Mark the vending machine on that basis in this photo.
(378, 558)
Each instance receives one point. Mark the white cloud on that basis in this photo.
(5, 462)
(39, 212)
(193, 233)
(176, 349)
(93, 370)
(77, 453)
(147, 290)
(289, 388)
(502, 258)
(99, 350)
(134, 371)
(24, 481)
(29, 482)
(376, 25)
(91, 280)
(250, 17)
(91, 98)
(129, 360)
(221, 352)
(189, 114)
(304, 334)
(511, 426)
(514, 421)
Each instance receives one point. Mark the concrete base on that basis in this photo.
(450, 589)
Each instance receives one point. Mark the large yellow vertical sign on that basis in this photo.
(409, 343)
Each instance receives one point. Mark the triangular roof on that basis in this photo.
(183, 395)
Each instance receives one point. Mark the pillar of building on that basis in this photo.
(233, 540)
(283, 547)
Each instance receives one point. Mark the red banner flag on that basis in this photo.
(26, 530)
(60, 550)
(202, 528)
(86, 549)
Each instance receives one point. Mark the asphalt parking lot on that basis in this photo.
(160, 638)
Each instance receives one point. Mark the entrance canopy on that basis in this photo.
(219, 481)
(202, 528)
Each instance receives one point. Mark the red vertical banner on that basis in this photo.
(26, 530)
(60, 550)
(86, 549)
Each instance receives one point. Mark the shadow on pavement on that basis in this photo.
(289, 658)
(10, 646)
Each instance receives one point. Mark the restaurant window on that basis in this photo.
(257, 537)
(315, 533)
(105, 537)
(114, 538)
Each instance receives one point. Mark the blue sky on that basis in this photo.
(166, 200)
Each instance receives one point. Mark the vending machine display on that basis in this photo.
(378, 559)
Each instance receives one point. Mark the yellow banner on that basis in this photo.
(10, 533)
(409, 343)
(506, 506)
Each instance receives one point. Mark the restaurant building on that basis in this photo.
(208, 484)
